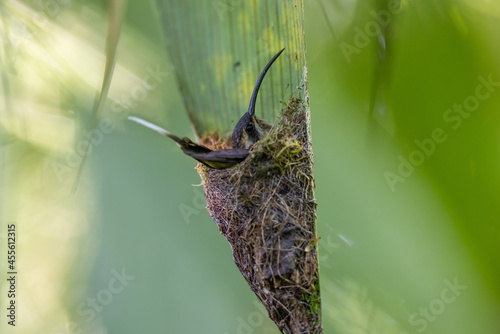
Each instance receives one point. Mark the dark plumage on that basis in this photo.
(249, 128)
(247, 132)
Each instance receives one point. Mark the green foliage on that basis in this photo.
(218, 49)
(375, 101)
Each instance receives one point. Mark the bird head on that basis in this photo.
(249, 128)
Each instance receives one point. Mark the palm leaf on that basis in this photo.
(115, 13)
(218, 50)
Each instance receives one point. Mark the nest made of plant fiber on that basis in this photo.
(265, 208)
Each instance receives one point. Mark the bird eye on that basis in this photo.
(250, 127)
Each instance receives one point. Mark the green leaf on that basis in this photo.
(218, 50)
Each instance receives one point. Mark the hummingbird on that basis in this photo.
(247, 132)
(249, 128)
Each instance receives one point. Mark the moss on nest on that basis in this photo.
(265, 208)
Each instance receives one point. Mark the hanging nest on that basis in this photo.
(265, 208)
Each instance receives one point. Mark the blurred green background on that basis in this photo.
(407, 183)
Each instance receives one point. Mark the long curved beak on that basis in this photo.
(253, 99)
